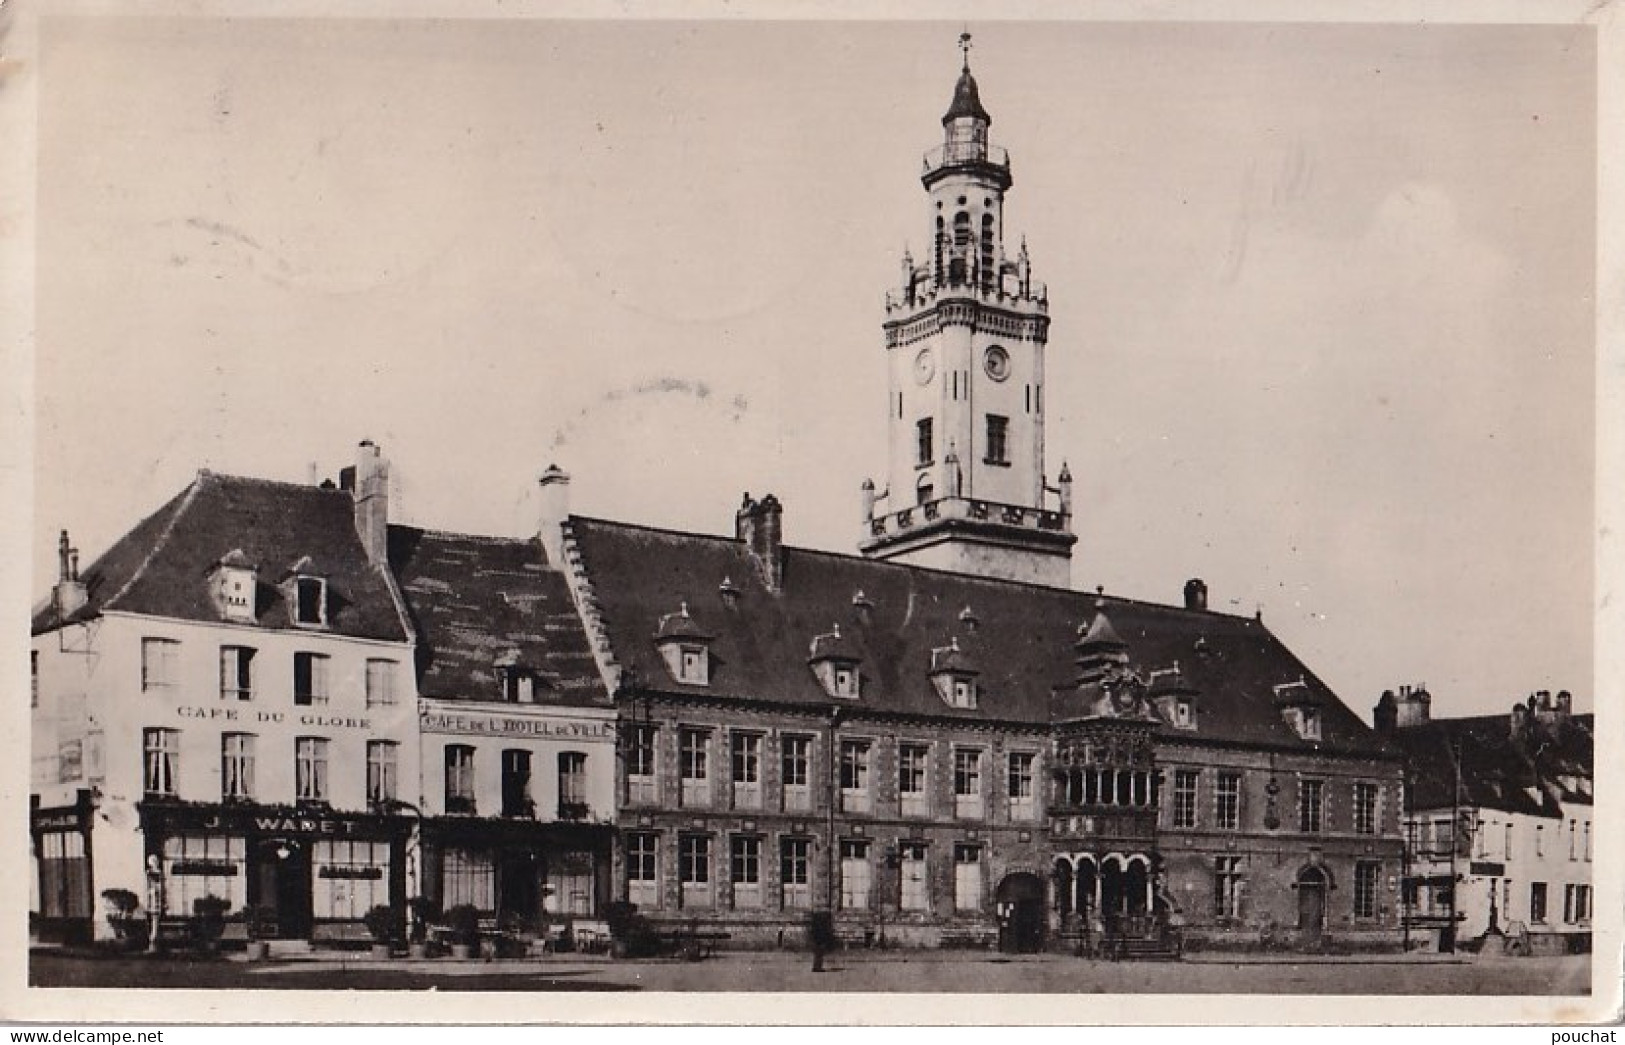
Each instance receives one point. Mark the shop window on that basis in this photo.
(572, 785)
(915, 887)
(460, 779)
(467, 877)
(746, 756)
(310, 671)
(912, 789)
(796, 773)
(968, 783)
(1020, 789)
(64, 876)
(694, 869)
(1311, 805)
(1537, 902)
(236, 767)
(795, 873)
(569, 888)
(1227, 887)
(745, 870)
(1365, 808)
(1184, 809)
(643, 869)
(163, 758)
(196, 866)
(855, 776)
(694, 767)
(310, 769)
(380, 683)
(640, 765)
(1227, 802)
(381, 771)
(159, 659)
(1366, 876)
(855, 874)
(967, 877)
(516, 799)
(236, 673)
(351, 878)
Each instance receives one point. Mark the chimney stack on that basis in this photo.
(553, 500)
(370, 487)
(760, 525)
(1196, 594)
(70, 593)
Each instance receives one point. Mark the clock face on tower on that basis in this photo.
(925, 366)
(997, 363)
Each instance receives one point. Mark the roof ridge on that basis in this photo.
(491, 538)
(187, 500)
(259, 480)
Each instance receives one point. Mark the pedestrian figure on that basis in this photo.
(821, 933)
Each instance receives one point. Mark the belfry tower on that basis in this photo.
(965, 333)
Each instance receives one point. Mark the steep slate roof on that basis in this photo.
(1498, 772)
(1023, 643)
(475, 600)
(161, 566)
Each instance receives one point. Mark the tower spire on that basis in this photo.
(964, 47)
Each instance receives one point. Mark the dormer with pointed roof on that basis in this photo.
(1099, 649)
(954, 675)
(686, 647)
(835, 660)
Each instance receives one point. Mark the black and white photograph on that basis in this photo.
(523, 517)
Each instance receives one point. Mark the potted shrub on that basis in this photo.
(130, 930)
(464, 922)
(630, 933)
(421, 911)
(380, 922)
(209, 922)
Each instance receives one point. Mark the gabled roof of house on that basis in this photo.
(1497, 771)
(161, 567)
(477, 602)
(1023, 639)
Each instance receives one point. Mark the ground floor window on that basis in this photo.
(204, 865)
(694, 869)
(467, 877)
(569, 888)
(64, 875)
(745, 870)
(643, 869)
(1576, 903)
(1537, 902)
(854, 875)
(1366, 876)
(1227, 887)
(916, 892)
(351, 878)
(967, 878)
(795, 865)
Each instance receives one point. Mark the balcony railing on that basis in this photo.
(1046, 519)
(956, 154)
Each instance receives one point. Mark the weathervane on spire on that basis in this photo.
(964, 46)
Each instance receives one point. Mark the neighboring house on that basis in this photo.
(1499, 826)
(224, 704)
(518, 731)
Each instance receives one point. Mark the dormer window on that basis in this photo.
(954, 675)
(686, 648)
(834, 660)
(964, 694)
(233, 583)
(310, 600)
(1300, 706)
(517, 682)
(1182, 714)
(1309, 723)
(1173, 696)
(846, 682)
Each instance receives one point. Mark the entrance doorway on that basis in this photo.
(518, 885)
(282, 874)
(1311, 905)
(1021, 908)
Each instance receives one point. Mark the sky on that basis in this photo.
(1322, 296)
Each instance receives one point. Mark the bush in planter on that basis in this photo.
(209, 921)
(464, 922)
(380, 922)
(630, 933)
(130, 930)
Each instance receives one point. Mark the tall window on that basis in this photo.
(236, 673)
(310, 769)
(796, 772)
(745, 870)
(998, 430)
(911, 777)
(236, 767)
(516, 798)
(922, 438)
(468, 876)
(1366, 874)
(1185, 797)
(158, 661)
(33, 677)
(1573, 838)
(745, 750)
(1227, 801)
(1537, 902)
(694, 869)
(1576, 904)
(855, 776)
(459, 779)
(163, 762)
(380, 683)
(795, 873)
(1540, 840)
(1365, 808)
(310, 678)
(1020, 781)
(640, 765)
(643, 869)
(382, 770)
(693, 764)
(310, 602)
(1311, 805)
(572, 785)
(854, 874)
(1507, 841)
(967, 877)
(1588, 840)
(968, 783)
(915, 887)
(1227, 887)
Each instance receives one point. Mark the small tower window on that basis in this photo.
(998, 439)
(923, 441)
(924, 492)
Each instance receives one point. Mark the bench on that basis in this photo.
(343, 934)
(692, 944)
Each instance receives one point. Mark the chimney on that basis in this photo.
(1520, 721)
(370, 487)
(69, 594)
(553, 508)
(1385, 716)
(1414, 707)
(1565, 704)
(1196, 594)
(760, 525)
